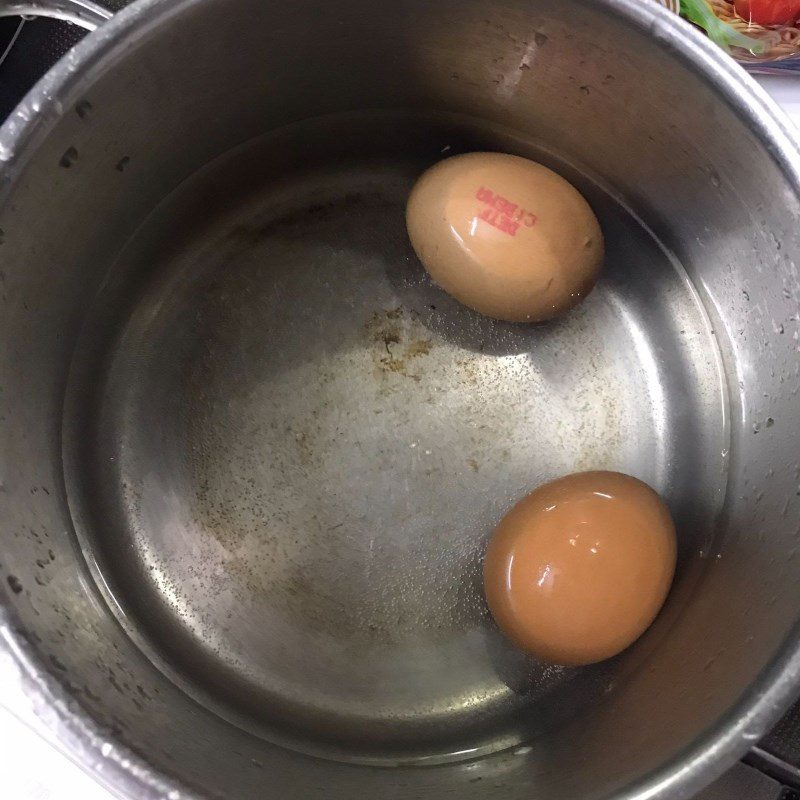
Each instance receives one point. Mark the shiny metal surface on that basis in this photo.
(282, 402)
(80, 12)
(251, 456)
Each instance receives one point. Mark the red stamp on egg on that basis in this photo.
(501, 213)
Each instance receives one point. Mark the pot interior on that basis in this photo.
(301, 444)
(254, 454)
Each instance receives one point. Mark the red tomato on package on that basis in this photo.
(768, 12)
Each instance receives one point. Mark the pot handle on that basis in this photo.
(85, 13)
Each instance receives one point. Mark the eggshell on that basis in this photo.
(580, 568)
(505, 236)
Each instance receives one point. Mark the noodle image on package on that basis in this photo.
(764, 35)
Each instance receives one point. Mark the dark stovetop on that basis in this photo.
(770, 772)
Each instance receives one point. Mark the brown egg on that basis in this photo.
(580, 568)
(505, 236)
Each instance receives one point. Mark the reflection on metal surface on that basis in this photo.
(80, 12)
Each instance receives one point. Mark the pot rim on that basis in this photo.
(42, 702)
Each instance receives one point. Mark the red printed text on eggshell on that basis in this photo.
(501, 213)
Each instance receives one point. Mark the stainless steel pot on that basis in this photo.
(250, 455)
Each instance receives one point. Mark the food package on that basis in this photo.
(764, 35)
